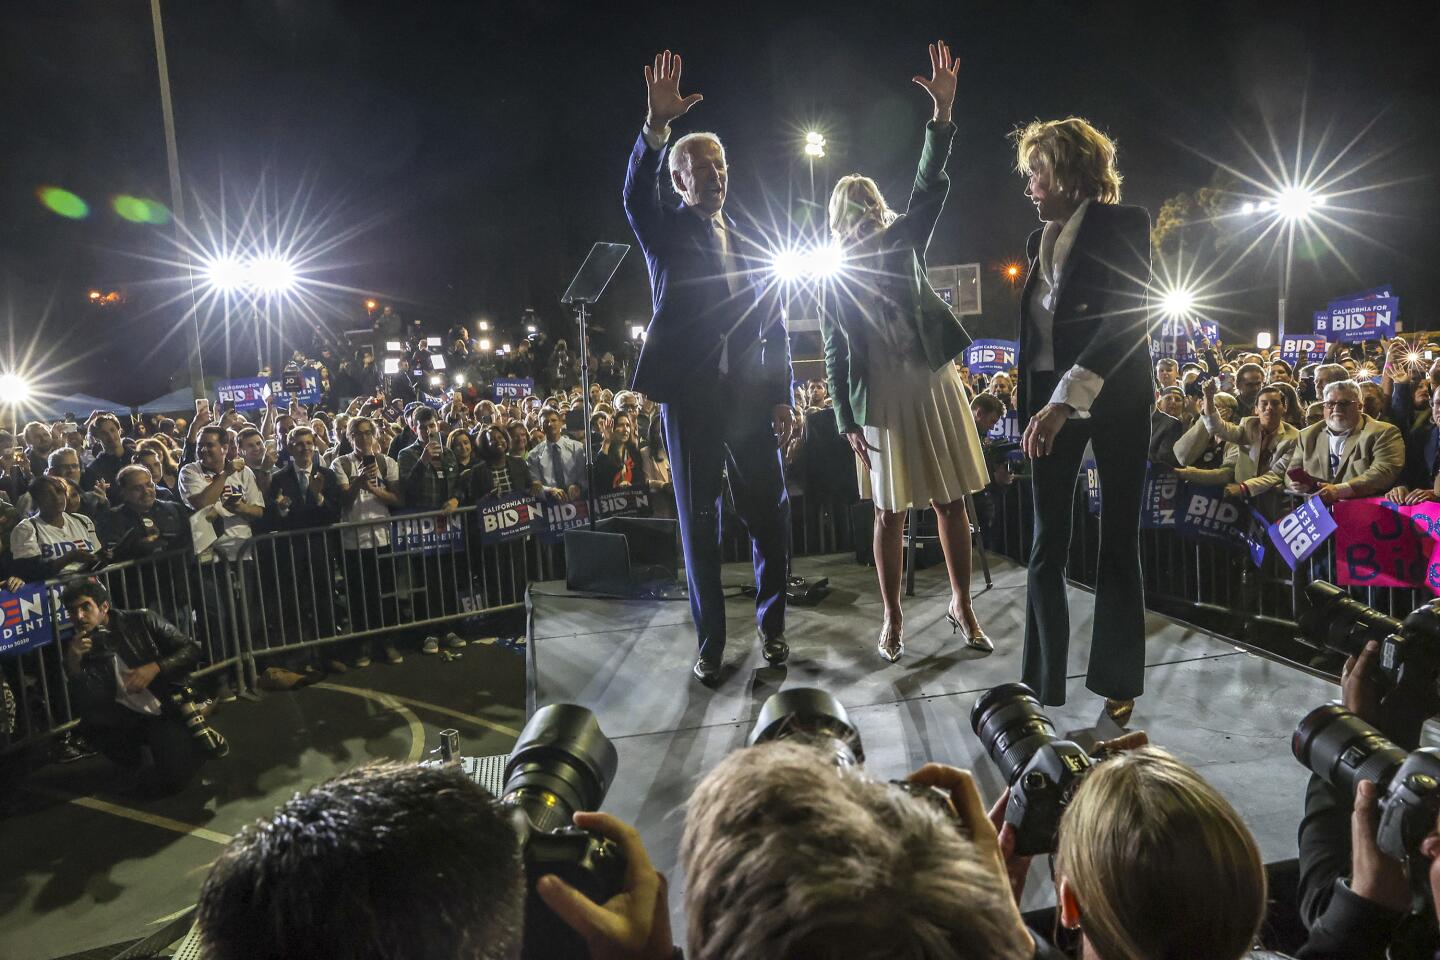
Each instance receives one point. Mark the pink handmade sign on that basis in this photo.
(1381, 544)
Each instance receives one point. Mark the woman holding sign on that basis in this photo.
(1085, 379)
(890, 346)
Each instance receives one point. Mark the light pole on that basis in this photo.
(1290, 206)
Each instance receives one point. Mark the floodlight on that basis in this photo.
(272, 274)
(437, 361)
(459, 379)
(814, 150)
(433, 343)
(505, 348)
(224, 273)
(484, 325)
(391, 366)
(826, 260)
(484, 343)
(1262, 340)
(1247, 208)
(394, 346)
(1265, 206)
(369, 304)
(1179, 302)
(636, 331)
(815, 137)
(531, 328)
(13, 389)
(789, 265)
(1295, 202)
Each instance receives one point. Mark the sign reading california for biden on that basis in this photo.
(1362, 318)
(510, 516)
(27, 621)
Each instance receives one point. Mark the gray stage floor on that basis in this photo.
(1225, 711)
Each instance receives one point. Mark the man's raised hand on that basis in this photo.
(941, 85)
(662, 81)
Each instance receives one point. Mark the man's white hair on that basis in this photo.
(681, 147)
(1349, 386)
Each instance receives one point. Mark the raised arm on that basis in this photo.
(664, 104)
(932, 184)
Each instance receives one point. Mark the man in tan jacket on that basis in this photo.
(1251, 446)
(1347, 455)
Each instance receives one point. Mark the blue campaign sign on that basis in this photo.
(1161, 498)
(1367, 318)
(1302, 348)
(431, 401)
(514, 389)
(26, 619)
(1175, 337)
(309, 395)
(507, 517)
(1210, 515)
(1006, 428)
(248, 394)
(1092, 485)
(428, 535)
(1301, 531)
(991, 356)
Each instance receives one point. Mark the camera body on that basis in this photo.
(1042, 770)
(1410, 805)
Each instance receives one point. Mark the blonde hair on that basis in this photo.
(843, 206)
(1161, 864)
(1080, 158)
(786, 856)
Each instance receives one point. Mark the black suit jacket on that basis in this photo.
(1101, 317)
(693, 305)
(304, 511)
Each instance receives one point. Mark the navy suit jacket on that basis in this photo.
(694, 309)
(1101, 316)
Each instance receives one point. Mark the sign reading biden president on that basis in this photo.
(438, 534)
(26, 619)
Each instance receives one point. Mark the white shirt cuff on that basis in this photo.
(1212, 424)
(1078, 388)
(655, 138)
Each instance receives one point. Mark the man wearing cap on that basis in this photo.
(1166, 426)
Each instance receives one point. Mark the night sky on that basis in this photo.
(471, 152)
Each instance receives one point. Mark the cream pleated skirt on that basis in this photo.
(928, 448)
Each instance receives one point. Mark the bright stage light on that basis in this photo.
(391, 366)
(369, 304)
(272, 274)
(821, 262)
(459, 379)
(1263, 340)
(13, 389)
(436, 380)
(531, 328)
(484, 325)
(1179, 302)
(1296, 202)
(484, 343)
(826, 260)
(789, 265)
(505, 348)
(226, 274)
(1247, 208)
(636, 331)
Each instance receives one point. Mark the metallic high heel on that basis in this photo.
(1119, 710)
(886, 650)
(975, 641)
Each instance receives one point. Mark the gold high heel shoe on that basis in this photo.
(1119, 710)
(895, 647)
(974, 641)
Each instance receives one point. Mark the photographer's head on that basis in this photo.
(787, 856)
(390, 860)
(88, 603)
(1153, 862)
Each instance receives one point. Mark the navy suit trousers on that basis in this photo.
(722, 430)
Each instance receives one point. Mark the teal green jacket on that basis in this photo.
(895, 269)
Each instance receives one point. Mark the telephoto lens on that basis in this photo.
(1343, 750)
(1341, 622)
(561, 763)
(1041, 769)
(812, 717)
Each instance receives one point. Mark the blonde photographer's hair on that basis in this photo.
(853, 195)
(1161, 864)
(1080, 158)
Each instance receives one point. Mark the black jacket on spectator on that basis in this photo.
(1422, 445)
(1164, 431)
(139, 637)
(104, 467)
(610, 469)
(166, 521)
(305, 510)
(480, 482)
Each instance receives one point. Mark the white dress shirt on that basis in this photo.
(1078, 386)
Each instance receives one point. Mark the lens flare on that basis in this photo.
(62, 201)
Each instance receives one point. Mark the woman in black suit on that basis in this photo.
(618, 465)
(1085, 378)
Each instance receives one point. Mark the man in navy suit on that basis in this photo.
(717, 361)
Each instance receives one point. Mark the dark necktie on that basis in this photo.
(556, 467)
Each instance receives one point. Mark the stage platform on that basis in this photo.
(1228, 712)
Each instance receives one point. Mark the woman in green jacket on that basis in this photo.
(890, 345)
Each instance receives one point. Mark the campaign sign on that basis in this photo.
(309, 395)
(1175, 337)
(1159, 505)
(27, 619)
(1383, 544)
(248, 395)
(991, 356)
(560, 517)
(1092, 485)
(507, 517)
(427, 535)
(1350, 321)
(1006, 428)
(514, 388)
(1302, 348)
(1301, 531)
(433, 402)
(1210, 515)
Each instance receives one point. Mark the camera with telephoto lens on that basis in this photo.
(816, 719)
(562, 763)
(1343, 750)
(1041, 769)
(1408, 659)
(183, 705)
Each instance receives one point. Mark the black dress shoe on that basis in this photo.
(774, 649)
(706, 671)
